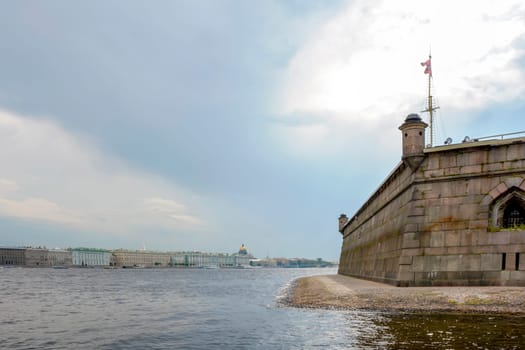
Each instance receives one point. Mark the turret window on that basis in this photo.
(513, 215)
(508, 210)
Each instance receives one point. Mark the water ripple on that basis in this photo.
(212, 309)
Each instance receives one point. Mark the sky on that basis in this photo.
(202, 125)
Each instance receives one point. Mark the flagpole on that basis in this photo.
(430, 109)
(430, 105)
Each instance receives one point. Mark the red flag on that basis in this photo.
(428, 67)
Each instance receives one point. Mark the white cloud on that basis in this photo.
(362, 66)
(51, 175)
(8, 186)
(167, 208)
(38, 209)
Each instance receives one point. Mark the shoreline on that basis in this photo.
(350, 293)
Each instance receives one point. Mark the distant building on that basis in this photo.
(90, 257)
(200, 259)
(140, 258)
(12, 256)
(36, 257)
(60, 257)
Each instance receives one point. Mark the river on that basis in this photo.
(213, 309)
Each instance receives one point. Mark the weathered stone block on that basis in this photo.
(492, 182)
(501, 188)
(410, 236)
(514, 153)
(494, 193)
(517, 275)
(490, 262)
(435, 251)
(418, 263)
(434, 173)
(450, 263)
(492, 167)
(421, 279)
(487, 200)
(510, 261)
(471, 169)
(405, 260)
(437, 239)
(452, 171)
(468, 238)
(483, 237)
(514, 165)
(460, 250)
(405, 268)
(424, 239)
(473, 187)
(504, 276)
(453, 189)
(473, 199)
(433, 211)
(477, 158)
(462, 159)
(470, 263)
(448, 201)
(517, 237)
(417, 211)
(452, 239)
(513, 182)
(448, 161)
(499, 238)
(467, 211)
(478, 224)
(406, 276)
(433, 163)
(412, 251)
(464, 275)
(497, 154)
(412, 227)
(493, 276)
(454, 225)
(410, 243)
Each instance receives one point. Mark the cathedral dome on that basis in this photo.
(243, 250)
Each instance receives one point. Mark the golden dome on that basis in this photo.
(243, 250)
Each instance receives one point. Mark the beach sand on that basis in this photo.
(343, 292)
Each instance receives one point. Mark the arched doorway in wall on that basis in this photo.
(508, 210)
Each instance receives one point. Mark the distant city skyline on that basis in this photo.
(202, 125)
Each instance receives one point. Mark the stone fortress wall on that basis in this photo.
(448, 215)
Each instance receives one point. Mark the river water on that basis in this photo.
(213, 309)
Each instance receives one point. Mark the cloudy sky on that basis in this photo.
(201, 125)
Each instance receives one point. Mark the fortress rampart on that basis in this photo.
(447, 215)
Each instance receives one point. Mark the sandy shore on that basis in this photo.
(342, 292)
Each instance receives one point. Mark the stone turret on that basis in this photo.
(413, 130)
(343, 219)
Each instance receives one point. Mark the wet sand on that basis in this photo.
(343, 292)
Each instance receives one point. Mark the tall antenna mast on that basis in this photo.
(430, 105)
